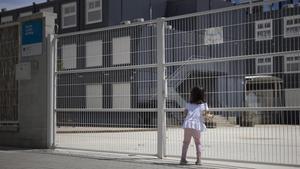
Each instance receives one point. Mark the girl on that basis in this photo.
(193, 124)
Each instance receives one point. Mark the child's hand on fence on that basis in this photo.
(208, 116)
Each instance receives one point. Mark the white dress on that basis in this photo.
(194, 118)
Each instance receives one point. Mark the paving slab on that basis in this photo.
(11, 158)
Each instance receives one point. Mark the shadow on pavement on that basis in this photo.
(13, 148)
(126, 158)
(203, 166)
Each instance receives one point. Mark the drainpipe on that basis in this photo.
(150, 10)
(121, 10)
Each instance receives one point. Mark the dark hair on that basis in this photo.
(197, 95)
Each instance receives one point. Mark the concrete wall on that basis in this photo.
(33, 97)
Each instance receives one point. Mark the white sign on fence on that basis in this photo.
(213, 36)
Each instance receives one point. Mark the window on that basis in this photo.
(93, 53)
(264, 65)
(121, 95)
(69, 16)
(94, 96)
(6, 19)
(213, 36)
(292, 63)
(93, 11)
(240, 1)
(50, 9)
(295, 2)
(292, 26)
(69, 54)
(25, 14)
(267, 7)
(263, 30)
(121, 50)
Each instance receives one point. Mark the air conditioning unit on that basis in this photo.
(290, 5)
(3, 9)
(127, 22)
(169, 27)
(138, 20)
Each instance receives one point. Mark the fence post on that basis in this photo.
(51, 54)
(54, 84)
(161, 89)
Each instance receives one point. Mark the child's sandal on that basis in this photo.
(183, 162)
(198, 162)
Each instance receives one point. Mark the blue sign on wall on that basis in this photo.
(32, 32)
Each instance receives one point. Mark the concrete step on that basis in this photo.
(222, 121)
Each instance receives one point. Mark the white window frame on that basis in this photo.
(96, 51)
(63, 15)
(286, 62)
(121, 100)
(94, 98)
(121, 50)
(6, 19)
(49, 9)
(71, 60)
(87, 10)
(297, 26)
(264, 64)
(28, 13)
(264, 29)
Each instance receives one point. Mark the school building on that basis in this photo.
(268, 81)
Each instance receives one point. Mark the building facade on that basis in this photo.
(81, 15)
(253, 57)
(78, 15)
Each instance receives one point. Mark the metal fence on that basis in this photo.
(123, 89)
(9, 41)
(106, 85)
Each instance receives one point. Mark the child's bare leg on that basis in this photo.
(186, 142)
(196, 136)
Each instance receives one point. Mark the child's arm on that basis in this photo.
(185, 112)
(206, 111)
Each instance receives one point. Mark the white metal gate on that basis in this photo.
(123, 88)
(245, 58)
(106, 89)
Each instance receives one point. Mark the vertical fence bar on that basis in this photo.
(161, 89)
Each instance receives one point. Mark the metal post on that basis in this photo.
(161, 89)
(54, 82)
(51, 68)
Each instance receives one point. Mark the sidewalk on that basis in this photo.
(71, 159)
